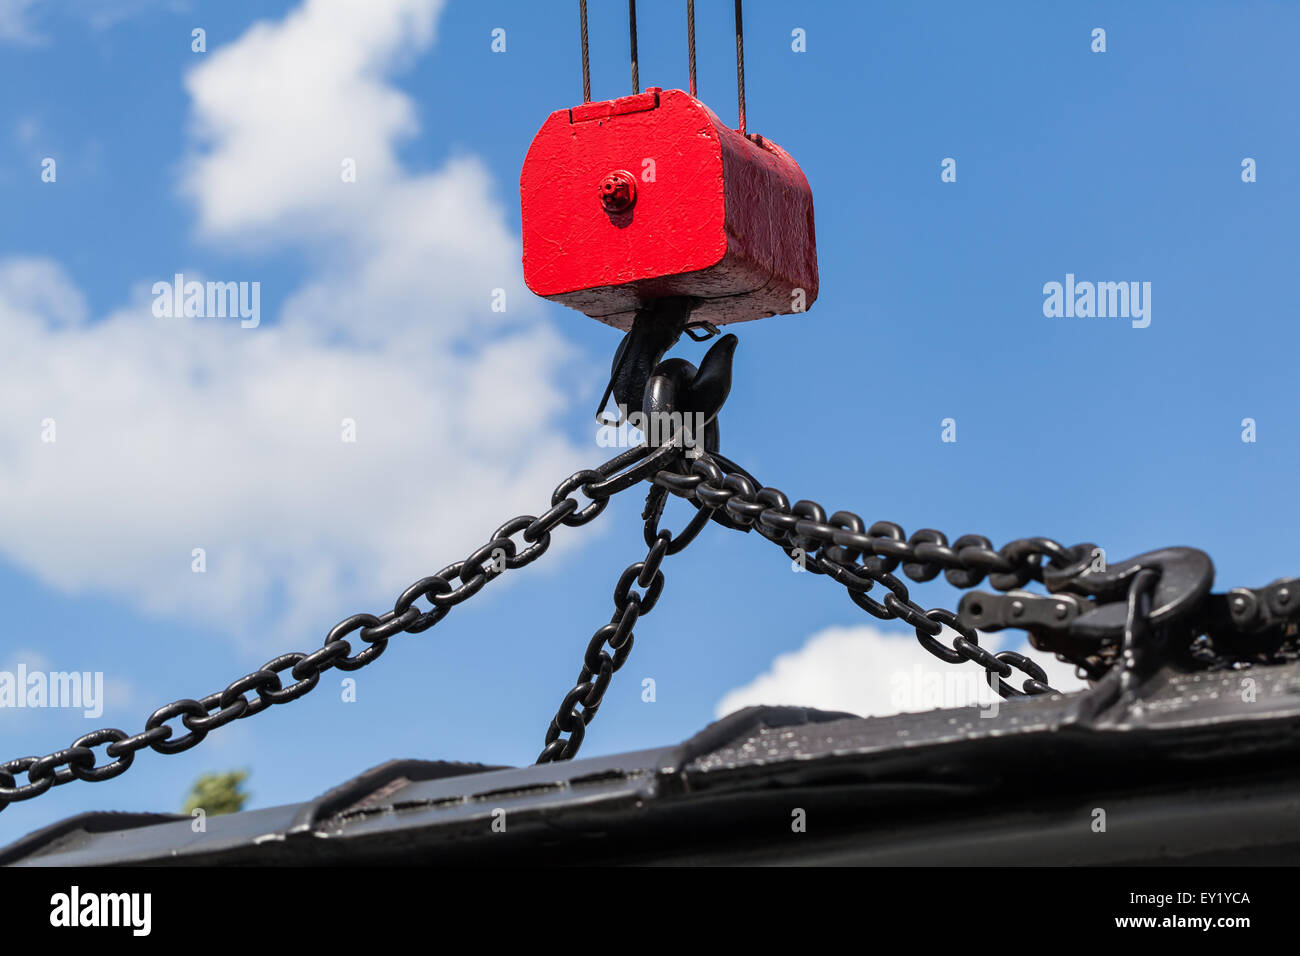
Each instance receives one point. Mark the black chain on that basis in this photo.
(834, 546)
(598, 665)
(1247, 625)
(451, 586)
(1259, 624)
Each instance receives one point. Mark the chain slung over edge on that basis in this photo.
(844, 549)
(1214, 630)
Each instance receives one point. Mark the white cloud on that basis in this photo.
(174, 434)
(865, 671)
(276, 113)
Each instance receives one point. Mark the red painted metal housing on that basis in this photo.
(722, 217)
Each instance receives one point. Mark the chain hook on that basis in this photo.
(682, 403)
(655, 329)
(678, 403)
(1185, 576)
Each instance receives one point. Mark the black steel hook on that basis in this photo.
(681, 398)
(1186, 576)
(656, 327)
(1088, 610)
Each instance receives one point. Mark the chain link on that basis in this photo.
(598, 664)
(442, 591)
(842, 548)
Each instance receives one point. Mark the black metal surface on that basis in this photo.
(1192, 770)
(74, 829)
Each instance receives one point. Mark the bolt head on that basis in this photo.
(617, 191)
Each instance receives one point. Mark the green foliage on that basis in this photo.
(217, 793)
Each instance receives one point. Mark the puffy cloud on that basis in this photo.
(276, 114)
(179, 433)
(865, 671)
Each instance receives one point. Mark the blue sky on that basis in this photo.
(174, 434)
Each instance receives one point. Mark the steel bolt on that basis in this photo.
(618, 191)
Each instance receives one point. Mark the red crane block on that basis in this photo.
(650, 196)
